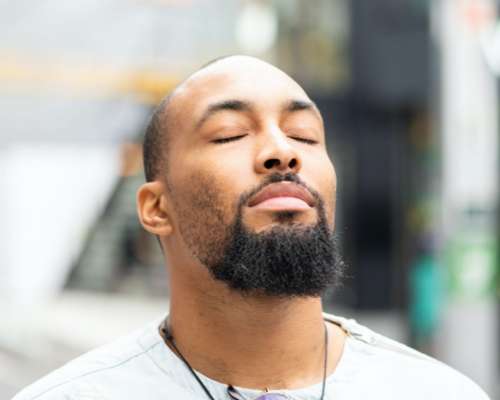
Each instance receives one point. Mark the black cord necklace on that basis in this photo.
(231, 391)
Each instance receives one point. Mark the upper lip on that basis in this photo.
(282, 189)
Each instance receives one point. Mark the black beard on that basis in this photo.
(288, 260)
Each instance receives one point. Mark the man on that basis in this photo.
(241, 194)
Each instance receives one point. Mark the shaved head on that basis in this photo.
(163, 120)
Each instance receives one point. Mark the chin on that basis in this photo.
(283, 223)
(295, 217)
(290, 218)
(264, 221)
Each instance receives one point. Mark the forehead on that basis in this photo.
(241, 78)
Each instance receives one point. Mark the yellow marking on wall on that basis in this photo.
(145, 85)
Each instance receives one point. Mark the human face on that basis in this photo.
(236, 122)
(248, 172)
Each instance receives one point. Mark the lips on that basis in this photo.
(282, 191)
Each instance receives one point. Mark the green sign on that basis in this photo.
(472, 266)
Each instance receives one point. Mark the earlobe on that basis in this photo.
(152, 209)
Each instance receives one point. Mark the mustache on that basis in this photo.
(276, 178)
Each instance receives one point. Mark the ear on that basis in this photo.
(152, 210)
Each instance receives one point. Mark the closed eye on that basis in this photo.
(304, 140)
(228, 139)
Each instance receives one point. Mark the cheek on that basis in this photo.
(330, 199)
(221, 171)
(333, 201)
(200, 215)
(326, 182)
(200, 197)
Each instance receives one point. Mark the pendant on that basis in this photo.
(235, 395)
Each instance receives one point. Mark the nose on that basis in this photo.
(276, 154)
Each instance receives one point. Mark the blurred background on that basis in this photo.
(409, 93)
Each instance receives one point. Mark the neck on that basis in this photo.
(255, 342)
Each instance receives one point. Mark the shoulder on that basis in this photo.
(80, 391)
(92, 375)
(386, 360)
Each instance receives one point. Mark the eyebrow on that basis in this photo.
(245, 106)
(232, 105)
(298, 105)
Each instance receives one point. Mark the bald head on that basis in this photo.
(175, 110)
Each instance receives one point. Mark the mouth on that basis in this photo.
(283, 196)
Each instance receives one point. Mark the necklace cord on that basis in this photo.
(170, 339)
(325, 366)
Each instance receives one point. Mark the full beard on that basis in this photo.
(292, 260)
(288, 260)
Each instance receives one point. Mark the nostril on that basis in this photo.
(271, 163)
(292, 163)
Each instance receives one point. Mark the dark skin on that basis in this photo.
(231, 124)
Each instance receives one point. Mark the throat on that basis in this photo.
(280, 346)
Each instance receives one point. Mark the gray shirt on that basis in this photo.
(141, 366)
